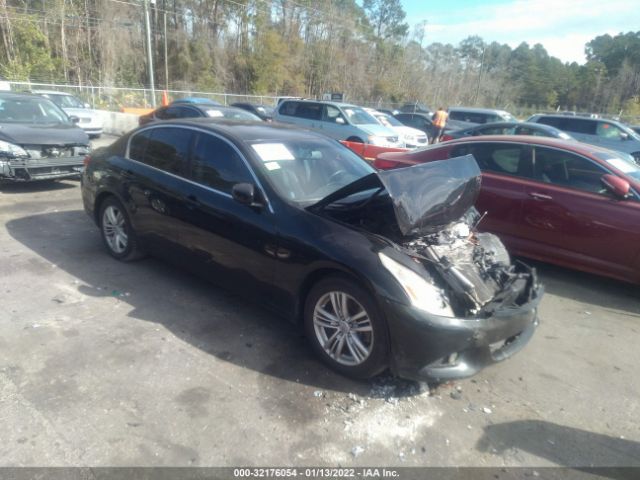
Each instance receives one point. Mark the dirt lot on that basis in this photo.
(105, 363)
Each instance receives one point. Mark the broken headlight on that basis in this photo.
(11, 151)
(423, 295)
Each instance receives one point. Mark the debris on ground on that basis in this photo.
(356, 451)
(487, 410)
(318, 394)
(456, 395)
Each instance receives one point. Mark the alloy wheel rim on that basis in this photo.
(113, 227)
(343, 328)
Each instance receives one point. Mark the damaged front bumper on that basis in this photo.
(24, 170)
(435, 348)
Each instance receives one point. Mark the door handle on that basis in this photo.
(540, 196)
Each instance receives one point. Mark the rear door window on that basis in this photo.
(507, 159)
(138, 145)
(168, 149)
(311, 111)
(289, 108)
(216, 164)
(181, 112)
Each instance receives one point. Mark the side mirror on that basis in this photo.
(340, 121)
(624, 136)
(616, 185)
(86, 105)
(74, 119)
(245, 193)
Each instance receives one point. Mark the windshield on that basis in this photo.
(232, 114)
(64, 101)
(306, 171)
(357, 116)
(621, 161)
(388, 120)
(30, 110)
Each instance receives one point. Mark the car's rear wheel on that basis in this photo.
(346, 328)
(117, 233)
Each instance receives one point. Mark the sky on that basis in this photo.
(561, 26)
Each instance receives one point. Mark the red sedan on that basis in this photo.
(561, 202)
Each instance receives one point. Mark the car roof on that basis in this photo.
(195, 100)
(477, 110)
(242, 131)
(324, 102)
(20, 95)
(578, 147)
(51, 92)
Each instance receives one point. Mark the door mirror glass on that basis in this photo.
(340, 121)
(616, 185)
(244, 193)
(624, 136)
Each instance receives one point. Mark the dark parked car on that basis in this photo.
(301, 224)
(38, 141)
(265, 112)
(508, 128)
(479, 115)
(563, 202)
(195, 101)
(416, 107)
(423, 122)
(596, 131)
(196, 110)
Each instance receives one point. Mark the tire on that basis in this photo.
(357, 354)
(117, 234)
(355, 140)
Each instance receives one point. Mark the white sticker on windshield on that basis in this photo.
(272, 165)
(215, 113)
(269, 152)
(624, 167)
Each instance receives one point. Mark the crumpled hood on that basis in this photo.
(45, 134)
(431, 195)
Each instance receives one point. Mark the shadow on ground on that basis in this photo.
(222, 324)
(565, 446)
(587, 288)
(37, 186)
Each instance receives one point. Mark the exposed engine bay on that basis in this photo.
(435, 224)
(474, 269)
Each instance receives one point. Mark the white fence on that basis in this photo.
(114, 98)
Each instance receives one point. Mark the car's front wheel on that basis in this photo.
(346, 328)
(117, 233)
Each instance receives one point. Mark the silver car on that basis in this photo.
(90, 120)
(337, 120)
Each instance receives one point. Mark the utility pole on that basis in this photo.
(475, 100)
(166, 60)
(149, 55)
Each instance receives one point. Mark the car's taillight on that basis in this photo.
(86, 160)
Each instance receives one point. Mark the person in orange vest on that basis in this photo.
(439, 122)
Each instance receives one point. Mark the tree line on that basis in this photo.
(368, 51)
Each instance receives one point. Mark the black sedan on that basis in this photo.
(265, 112)
(382, 269)
(197, 110)
(38, 141)
(509, 128)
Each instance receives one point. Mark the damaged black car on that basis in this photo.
(383, 270)
(38, 141)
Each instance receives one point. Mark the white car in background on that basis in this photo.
(412, 137)
(90, 120)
